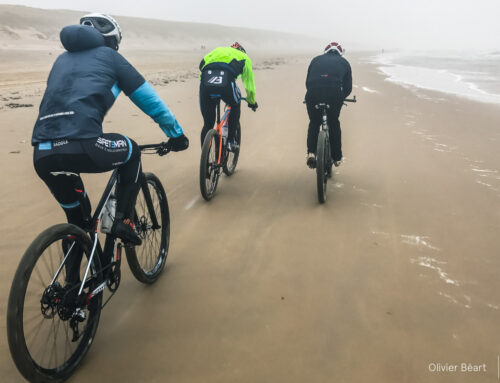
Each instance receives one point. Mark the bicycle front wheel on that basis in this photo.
(209, 167)
(152, 222)
(232, 157)
(322, 160)
(49, 327)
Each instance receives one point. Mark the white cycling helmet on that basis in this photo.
(105, 24)
(333, 46)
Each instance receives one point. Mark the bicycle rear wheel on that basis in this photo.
(232, 157)
(209, 168)
(148, 260)
(322, 164)
(50, 329)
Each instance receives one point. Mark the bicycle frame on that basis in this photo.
(324, 122)
(93, 224)
(220, 124)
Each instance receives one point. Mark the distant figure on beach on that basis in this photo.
(329, 80)
(219, 70)
(68, 137)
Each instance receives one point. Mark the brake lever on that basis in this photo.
(163, 149)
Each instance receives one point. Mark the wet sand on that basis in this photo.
(395, 272)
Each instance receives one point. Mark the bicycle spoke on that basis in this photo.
(27, 334)
(51, 271)
(49, 344)
(40, 278)
(67, 344)
(56, 333)
(32, 318)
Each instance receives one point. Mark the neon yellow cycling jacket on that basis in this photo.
(240, 64)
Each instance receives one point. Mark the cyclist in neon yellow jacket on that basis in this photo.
(219, 70)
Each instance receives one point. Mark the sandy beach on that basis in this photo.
(393, 277)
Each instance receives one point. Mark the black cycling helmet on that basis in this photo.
(105, 24)
(237, 45)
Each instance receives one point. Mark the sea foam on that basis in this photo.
(475, 77)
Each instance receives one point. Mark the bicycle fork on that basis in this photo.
(149, 203)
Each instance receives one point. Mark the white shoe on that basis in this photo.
(232, 146)
(337, 163)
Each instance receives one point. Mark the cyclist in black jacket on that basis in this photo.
(329, 80)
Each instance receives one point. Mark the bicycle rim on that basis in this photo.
(39, 317)
(232, 157)
(147, 261)
(209, 167)
(321, 166)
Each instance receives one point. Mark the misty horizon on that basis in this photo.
(362, 24)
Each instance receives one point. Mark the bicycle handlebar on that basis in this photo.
(244, 98)
(161, 149)
(353, 99)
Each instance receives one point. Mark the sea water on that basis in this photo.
(474, 76)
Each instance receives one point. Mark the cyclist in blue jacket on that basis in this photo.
(68, 138)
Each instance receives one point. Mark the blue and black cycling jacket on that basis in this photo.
(84, 83)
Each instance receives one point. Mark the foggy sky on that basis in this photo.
(357, 24)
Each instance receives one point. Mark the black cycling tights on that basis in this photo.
(335, 134)
(230, 94)
(59, 164)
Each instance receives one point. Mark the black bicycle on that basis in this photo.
(324, 159)
(52, 318)
(215, 154)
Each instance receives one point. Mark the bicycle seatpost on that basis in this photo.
(218, 111)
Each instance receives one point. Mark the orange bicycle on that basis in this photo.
(215, 154)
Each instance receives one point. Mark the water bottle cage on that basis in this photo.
(224, 132)
(108, 216)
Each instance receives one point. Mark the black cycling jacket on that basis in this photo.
(328, 76)
(82, 86)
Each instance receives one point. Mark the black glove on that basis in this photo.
(253, 106)
(163, 149)
(177, 144)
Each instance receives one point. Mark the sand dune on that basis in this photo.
(32, 28)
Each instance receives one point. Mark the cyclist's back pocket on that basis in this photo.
(215, 77)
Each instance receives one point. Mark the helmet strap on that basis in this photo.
(110, 41)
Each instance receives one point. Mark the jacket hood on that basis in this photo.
(76, 38)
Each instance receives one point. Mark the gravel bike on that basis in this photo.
(57, 293)
(324, 159)
(215, 154)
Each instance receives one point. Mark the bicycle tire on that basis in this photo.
(23, 348)
(208, 165)
(321, 166)
(147, 261)
(232, 157)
